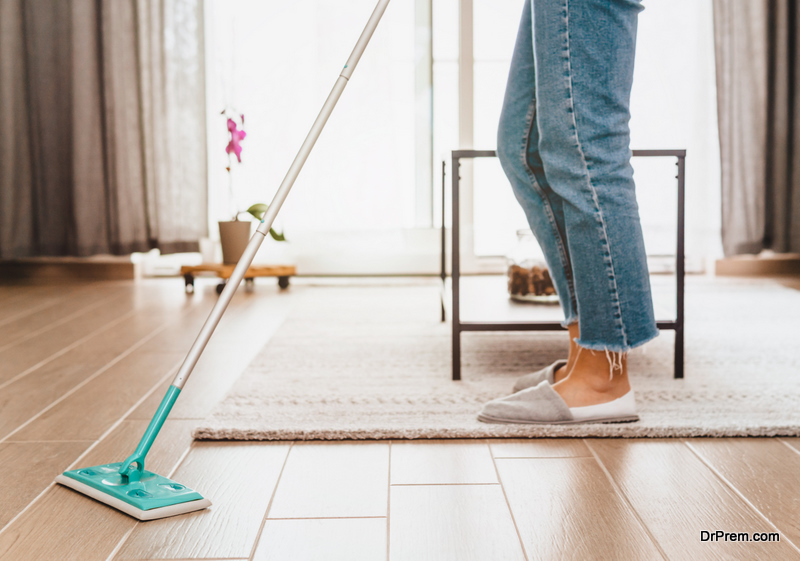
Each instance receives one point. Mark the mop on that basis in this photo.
(127, 486)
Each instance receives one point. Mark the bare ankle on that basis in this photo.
(574, 349)
(600, 371)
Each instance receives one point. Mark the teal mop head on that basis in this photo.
(128, 487)
(152, 497)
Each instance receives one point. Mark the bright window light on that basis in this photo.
(276, 63)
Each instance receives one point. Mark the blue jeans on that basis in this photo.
(564, 143)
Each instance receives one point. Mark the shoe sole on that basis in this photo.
(623, 419)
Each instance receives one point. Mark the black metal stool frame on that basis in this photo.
(461, 326)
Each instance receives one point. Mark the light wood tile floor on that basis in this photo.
(83, 366)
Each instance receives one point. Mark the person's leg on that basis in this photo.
(517, 150)
(584, 53)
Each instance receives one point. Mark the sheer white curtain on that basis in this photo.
(102, 110)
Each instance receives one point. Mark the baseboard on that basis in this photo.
(759, 265)
(68, 268)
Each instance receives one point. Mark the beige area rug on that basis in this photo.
(373, 362)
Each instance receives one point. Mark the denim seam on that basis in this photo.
(595, 199)
(526, 139)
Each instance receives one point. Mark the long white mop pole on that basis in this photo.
(277, 201)
(127, 468)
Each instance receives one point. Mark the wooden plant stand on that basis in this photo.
(283, 272)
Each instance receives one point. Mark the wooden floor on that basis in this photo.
(82, 368)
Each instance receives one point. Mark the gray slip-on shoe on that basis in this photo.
(541, 405)
(533, 379)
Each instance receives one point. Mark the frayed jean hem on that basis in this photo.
(614, 348)
(569, 321)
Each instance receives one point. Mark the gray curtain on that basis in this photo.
(758, 96)
(102, 127)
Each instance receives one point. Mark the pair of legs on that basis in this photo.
(564, 143)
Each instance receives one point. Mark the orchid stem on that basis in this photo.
(232, 202)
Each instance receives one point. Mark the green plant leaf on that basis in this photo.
(258, 210)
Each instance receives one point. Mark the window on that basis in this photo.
(276, 63)
(361, 204)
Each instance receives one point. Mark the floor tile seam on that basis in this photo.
(116, 360)
(389, 505)
(626, 501)
(56, 299)
(27, 507)
(185, 559)
(121, 542)
(508, 504)
(264, 519)
(62, 321)
(67, 349)
(8, 442)
(171, 418)
(27, 312)
(543, 457)
(442, 484)
(327, 518)
(180, 460)
(141, 342)
(792, 448)
(735, 490)
(13, 298)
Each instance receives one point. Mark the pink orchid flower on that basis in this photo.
(237, 135)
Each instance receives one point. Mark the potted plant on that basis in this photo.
(234, 234)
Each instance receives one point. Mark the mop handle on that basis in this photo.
(277, 201)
